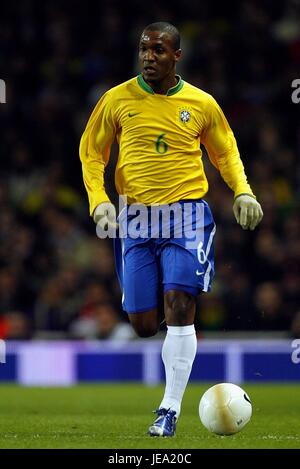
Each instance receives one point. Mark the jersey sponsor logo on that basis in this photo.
(199, 273)
(132, 114)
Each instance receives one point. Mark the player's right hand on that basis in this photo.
(105, 216)
(247, 211)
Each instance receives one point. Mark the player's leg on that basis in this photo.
(180, 344)
(178, 354)
(187, 270)
(145, 323)
(179, 347)
(180, 307)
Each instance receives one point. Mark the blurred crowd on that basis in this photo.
(57, 279)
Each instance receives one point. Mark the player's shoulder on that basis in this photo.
(122, 89)
(199, 94)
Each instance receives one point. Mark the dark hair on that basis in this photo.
(168, 28)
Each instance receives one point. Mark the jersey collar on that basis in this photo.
(170, 92)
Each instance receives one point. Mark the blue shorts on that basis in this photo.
(150, 260)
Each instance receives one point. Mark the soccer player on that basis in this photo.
(159, 121)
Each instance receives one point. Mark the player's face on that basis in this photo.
(157, 55)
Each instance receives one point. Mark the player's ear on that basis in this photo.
(177, 55)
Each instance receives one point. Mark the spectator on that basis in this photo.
(102, 323)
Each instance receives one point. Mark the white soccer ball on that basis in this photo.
(225, 409)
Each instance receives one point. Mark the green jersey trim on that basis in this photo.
(170, 92)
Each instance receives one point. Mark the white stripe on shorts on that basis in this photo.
(207, 273)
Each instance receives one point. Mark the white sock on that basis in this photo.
(178, 354)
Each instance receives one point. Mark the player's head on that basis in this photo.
(159, 50)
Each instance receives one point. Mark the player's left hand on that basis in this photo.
(105, 216)
(247, 211)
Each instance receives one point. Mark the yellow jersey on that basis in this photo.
(159, 137)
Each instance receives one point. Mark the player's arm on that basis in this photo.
(94, 151)
(223, 152)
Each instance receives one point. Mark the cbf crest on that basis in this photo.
(184, 115)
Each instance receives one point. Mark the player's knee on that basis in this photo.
(180, 308)
(145, 332)
(144, 324)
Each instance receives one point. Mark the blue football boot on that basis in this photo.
(165, 423)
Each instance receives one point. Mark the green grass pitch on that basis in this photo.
(117, 416)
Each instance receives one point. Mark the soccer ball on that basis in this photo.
(225, 409)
